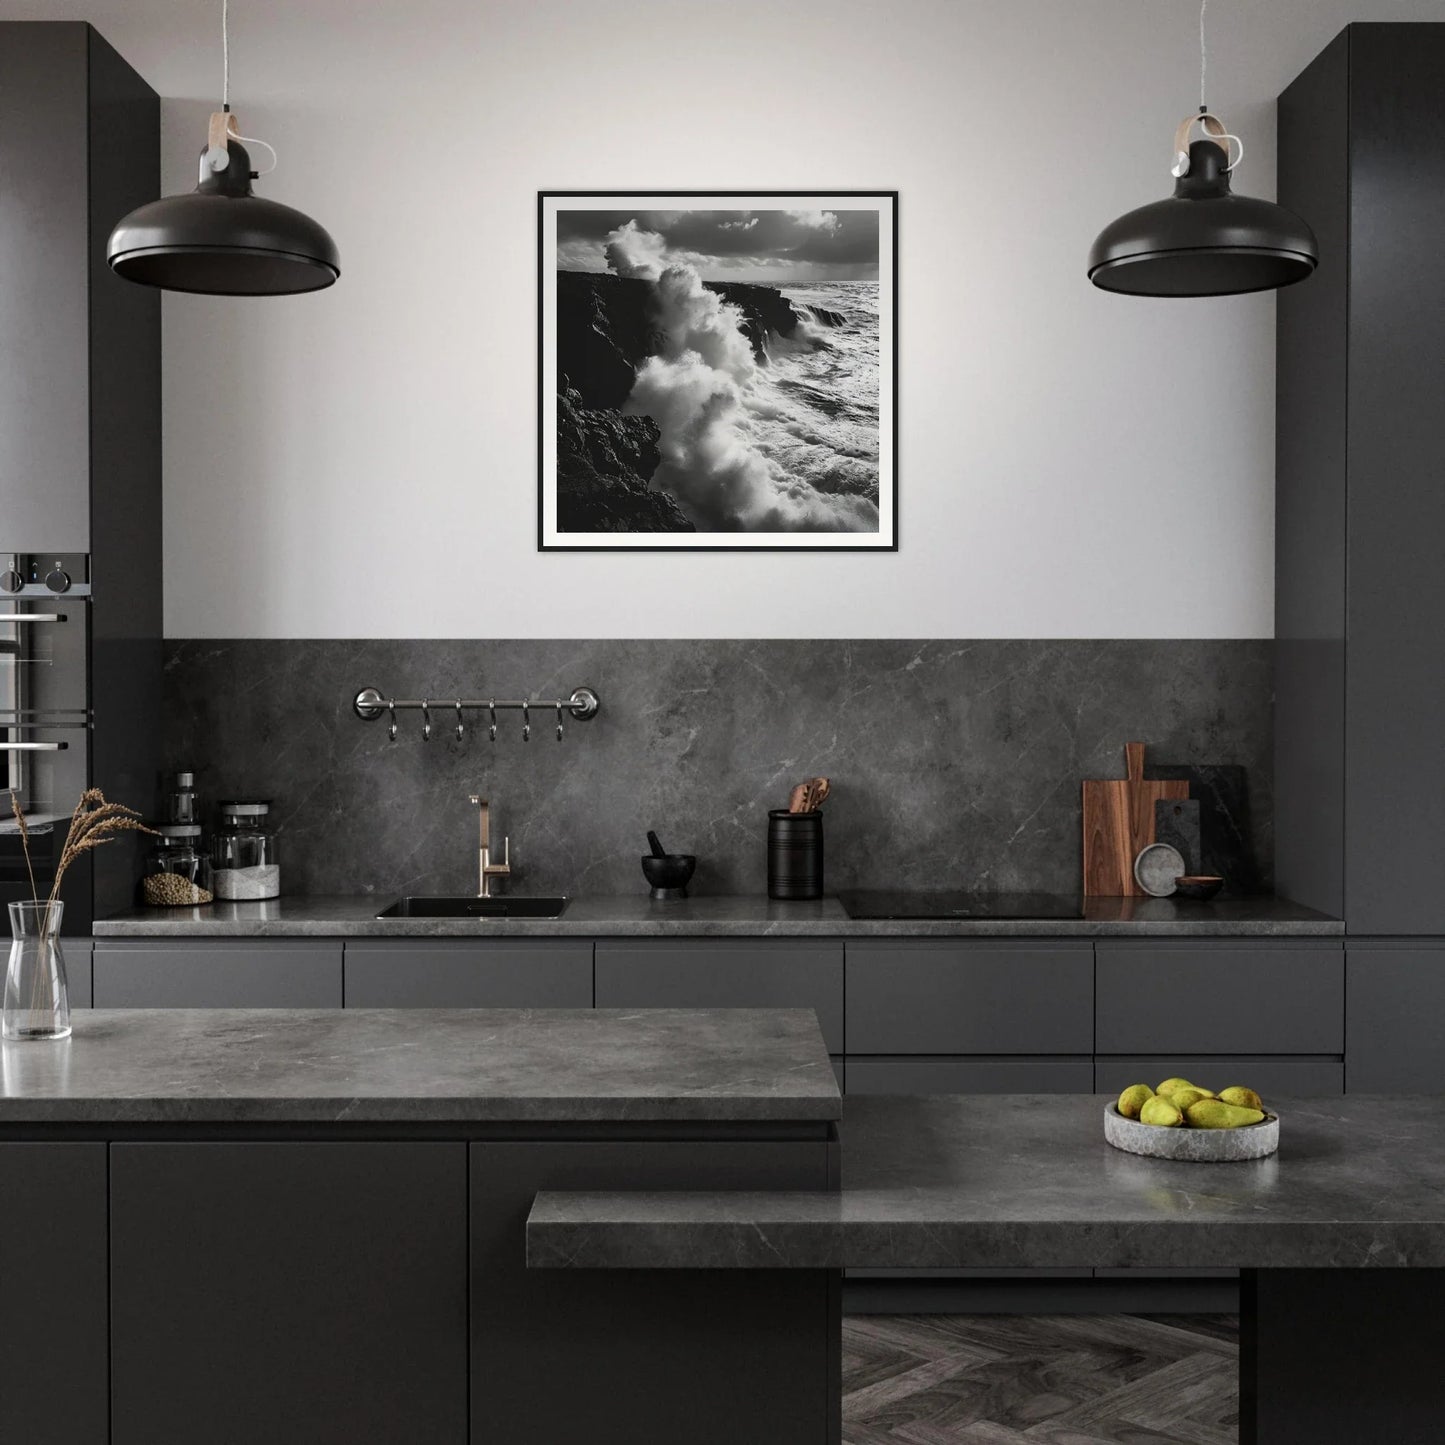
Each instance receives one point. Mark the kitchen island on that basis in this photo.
(1341, 1235)
(309, 1226)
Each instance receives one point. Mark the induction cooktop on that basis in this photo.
(901, 903)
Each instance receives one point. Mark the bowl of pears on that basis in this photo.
(1181, 1120)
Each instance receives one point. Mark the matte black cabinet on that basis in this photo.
(1360, 510)
(1396, 993)
(947, 996)
(54, 1338)
(239, 1313)
(726, 973)
(457, 973)
(217, 973)
(1220, 997)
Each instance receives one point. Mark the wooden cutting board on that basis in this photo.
(1119, 822)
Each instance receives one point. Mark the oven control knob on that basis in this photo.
(58, 580)
(11, 581)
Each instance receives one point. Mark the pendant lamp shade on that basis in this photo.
(1203, 240)
(224, 240)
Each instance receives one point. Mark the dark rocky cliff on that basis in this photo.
(604, 463)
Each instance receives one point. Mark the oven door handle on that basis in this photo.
(32, 617)
(33, 747)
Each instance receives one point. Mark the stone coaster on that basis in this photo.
(1197, 1146)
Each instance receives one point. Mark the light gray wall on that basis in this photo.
(321, 452)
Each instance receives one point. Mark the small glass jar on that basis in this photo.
(243, 852)
(177, 869)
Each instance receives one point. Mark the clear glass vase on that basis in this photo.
(37, 1000)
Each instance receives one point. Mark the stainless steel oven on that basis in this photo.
(45, 722)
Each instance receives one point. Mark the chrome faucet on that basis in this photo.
(486, 869)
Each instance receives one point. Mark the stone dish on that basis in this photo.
(1197, 1146)
(1156, 868)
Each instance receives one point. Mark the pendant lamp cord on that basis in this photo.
(1203, 56)
(226, 52)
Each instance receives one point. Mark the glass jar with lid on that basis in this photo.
(243, 852)
(177, 868)
(181, 805)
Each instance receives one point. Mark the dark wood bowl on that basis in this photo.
(1200, 886)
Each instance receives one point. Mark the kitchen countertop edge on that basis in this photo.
(716, 917)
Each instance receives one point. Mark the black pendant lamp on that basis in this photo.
(1203, 240)
(222, 239)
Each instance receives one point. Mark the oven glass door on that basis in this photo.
(44, 744)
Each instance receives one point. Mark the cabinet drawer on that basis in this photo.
(1396, 1037)
(924, 997)
(726, 974)
(970, 1076)
(77, 970)
(207, 973)
(520, 973)
(1289, 1077)
(1220, 998)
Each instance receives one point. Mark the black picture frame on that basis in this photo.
(546, 383)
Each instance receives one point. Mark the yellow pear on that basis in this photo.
(1133, 1099)
(1245, 1098)
(1169, 1086)
(1159, 1110)
(1213, 1114)
(1183, 1098)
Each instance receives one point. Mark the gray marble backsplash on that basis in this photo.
(954, 764)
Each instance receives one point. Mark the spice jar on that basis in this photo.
(177, 869)
(243, 852)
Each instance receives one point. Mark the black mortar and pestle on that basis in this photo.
(667, 872)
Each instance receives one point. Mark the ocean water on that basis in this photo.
(824, 385)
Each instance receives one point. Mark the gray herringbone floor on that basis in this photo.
(1040, 1380)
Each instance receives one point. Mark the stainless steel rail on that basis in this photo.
(369, 704)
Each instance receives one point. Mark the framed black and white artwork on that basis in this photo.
(718, 370)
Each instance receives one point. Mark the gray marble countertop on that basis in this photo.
(422, 1066)
(704, 917)
(1027, 1181)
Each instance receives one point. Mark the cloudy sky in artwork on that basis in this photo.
(772, 246)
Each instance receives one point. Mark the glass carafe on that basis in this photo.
(37, 1000)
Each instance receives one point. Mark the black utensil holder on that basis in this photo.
(795, 854)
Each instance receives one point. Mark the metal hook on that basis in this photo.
(426, 720)
(492, 731)
(461, 726)
(559, 722)
(526, 723)
(391, 708)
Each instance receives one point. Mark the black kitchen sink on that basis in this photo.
(464, 907)
(900, 903)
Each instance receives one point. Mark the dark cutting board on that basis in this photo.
(1119, 823)
(1226, 830)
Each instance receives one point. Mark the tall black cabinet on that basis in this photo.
(1360, 535)
(1360, 615)
(80, 444)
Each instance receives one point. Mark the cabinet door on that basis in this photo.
(1396, 1034)
(53, 1327)
(1296, 1077)
(1220, 997)
(970, 1076)
(623, 1357)
(44, 291)
(77, 953)
(452, 973)
(291, 1294)
(214, 973)
(687, 973)
(924, 996)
